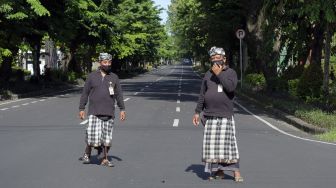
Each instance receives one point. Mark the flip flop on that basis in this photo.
(239, 179)
(107, 163)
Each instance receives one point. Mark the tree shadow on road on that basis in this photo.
(198, 170)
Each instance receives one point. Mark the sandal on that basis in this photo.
(239, 179)
(85, 159)
(107, 163)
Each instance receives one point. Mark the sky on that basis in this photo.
(164, 4)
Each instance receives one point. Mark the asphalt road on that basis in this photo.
(42, 138)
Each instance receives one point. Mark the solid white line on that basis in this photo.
(4, 109)
(126, 99)
(178, 109)
(176, 122)
(84, 122)
(136, 93)
(15, 106)
(178, 101)
(279, 130)
(25, 104)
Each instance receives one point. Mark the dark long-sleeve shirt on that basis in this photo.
(96, 91)
(217, 93)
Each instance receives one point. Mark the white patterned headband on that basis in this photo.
(216, 51)
(105, 56)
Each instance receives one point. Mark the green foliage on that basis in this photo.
(310, 83)
(256, 81)
(292, 87)
(38, 8)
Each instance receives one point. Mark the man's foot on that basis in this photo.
(217, 175)
(107, 163)
(86, 159)
(238, 177)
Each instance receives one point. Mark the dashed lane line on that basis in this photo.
(84, 122)
(176, 122)
(178, 109)
(3, 109)
(178, 101)
(126, 99)
(16, 106)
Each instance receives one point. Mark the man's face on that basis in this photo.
(217, 58)
(106, 62)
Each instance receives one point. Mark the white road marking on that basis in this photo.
(25, 104)
(179, 94)
(178, 101)
(126, 99)
(42, 100)
(159, 79)
(84, 122)
(62, 95)
(136, 93)
(176, 122)
(179, 90)
(4, 109)
(146, 86)
(279, 130)
(33, 102)
(142, 89)
(12, 101)
(16, 106)
(178, 109)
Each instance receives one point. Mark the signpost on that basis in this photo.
(240, 33)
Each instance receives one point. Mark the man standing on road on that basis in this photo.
(220, 150)
(102, 88)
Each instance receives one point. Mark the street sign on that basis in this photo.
(240, 33)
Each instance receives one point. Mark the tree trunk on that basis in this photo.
(36, 59)
(51, 54)
(327, 61)
(5, 71)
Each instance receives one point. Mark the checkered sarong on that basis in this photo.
(99, 132)
(219, 141)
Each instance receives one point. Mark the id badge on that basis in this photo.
(220, 88)
(111, 89)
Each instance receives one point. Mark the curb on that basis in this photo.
(296, 122)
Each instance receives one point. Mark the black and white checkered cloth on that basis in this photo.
(99, 132)
(219, 141)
